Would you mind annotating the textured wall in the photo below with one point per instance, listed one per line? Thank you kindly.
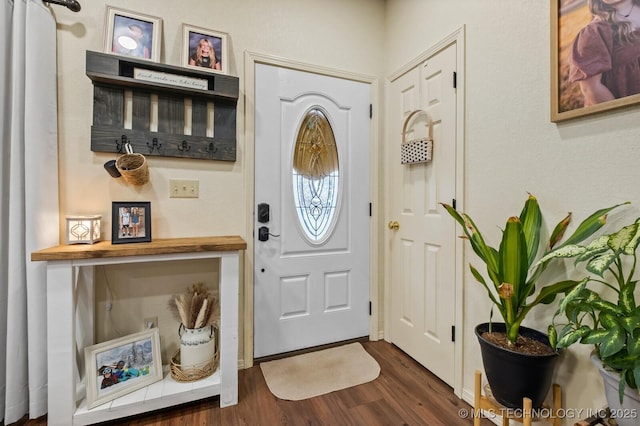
(346, 35)
(512, 148)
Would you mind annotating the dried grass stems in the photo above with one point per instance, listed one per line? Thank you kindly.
(196, 308)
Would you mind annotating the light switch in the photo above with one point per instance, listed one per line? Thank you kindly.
(184, 188)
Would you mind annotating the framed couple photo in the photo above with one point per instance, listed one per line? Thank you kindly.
(204, 49)
(131, 222)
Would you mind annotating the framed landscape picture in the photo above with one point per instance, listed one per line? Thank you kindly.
(121, 366)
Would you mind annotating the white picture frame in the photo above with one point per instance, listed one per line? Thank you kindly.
(132, 34)
(193, 37)
(121, 366)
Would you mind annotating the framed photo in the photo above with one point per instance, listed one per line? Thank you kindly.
(120, 366)
(132, 34)
(130, 222)
(204, 49)
(585, 77)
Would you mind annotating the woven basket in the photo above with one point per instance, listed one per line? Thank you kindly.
(193, 372)
(133, 168)
(416, 150)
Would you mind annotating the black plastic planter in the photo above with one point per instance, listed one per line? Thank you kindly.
(512, 375)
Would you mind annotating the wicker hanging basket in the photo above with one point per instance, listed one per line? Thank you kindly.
(133, 168)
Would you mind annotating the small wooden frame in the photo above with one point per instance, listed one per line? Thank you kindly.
(488, 403)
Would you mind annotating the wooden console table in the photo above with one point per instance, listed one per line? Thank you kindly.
(70, 306)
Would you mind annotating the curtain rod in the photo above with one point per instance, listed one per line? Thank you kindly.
(72, 5)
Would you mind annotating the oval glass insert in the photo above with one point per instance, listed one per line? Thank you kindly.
(315, 176)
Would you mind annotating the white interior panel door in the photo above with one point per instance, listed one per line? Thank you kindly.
(423, 247)
(311, 276)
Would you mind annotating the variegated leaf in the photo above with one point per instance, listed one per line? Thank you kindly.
(631, 323)
(619, 240)
(572, 295)
(531, 219)
(573, 336)
(613, 342)
(590, 225)
(630, 248)
(599, 244)
(598, 265)
(595, 337)
(567, 251)
(633, 345)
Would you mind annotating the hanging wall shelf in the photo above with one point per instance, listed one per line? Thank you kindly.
(161, 110)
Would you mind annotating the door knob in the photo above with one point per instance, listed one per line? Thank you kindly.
(394, 225)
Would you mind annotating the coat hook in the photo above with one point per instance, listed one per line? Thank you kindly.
(123, 141)
(154, 145)
(184, 146)
(211, 148)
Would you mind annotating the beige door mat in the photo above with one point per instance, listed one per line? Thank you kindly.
(316, 373)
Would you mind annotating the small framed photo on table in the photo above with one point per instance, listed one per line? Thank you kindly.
(132, 34)
(130, 222)
(121, 366)
(204, 49)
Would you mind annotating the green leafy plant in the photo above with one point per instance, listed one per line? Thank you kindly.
(612, 326)
(512, 268)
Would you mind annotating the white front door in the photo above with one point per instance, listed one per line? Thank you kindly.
(423, 247)
(311, 276)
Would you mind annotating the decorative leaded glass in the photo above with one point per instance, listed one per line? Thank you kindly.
(315, 176)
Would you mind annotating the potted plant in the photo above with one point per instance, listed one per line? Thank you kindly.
(612, 326)
(513, 370)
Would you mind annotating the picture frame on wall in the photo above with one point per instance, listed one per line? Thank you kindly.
(130, 222)
(134, 34)
(121, 366)
(583, 81)
(204, 49)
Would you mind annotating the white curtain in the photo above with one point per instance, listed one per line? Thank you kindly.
(29, 210)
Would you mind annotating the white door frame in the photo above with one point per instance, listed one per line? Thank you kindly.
(250, 60)
(457, 38)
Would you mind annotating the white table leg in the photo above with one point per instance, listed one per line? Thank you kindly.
(229, 288)
(61, 343)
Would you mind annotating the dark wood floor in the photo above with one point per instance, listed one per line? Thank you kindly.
(404, 394)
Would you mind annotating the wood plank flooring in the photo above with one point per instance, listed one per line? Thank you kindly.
(405, 393)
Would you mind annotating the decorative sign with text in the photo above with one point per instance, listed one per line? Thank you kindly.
(170, 79)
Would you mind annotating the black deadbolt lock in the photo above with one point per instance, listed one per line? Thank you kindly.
(263, 213)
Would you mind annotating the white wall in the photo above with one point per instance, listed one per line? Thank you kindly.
(323, 33)
(512, 147)
(339, 34)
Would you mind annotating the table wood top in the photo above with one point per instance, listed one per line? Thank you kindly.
(105, 249)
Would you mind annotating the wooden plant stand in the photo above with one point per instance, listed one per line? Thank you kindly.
(487, 402)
